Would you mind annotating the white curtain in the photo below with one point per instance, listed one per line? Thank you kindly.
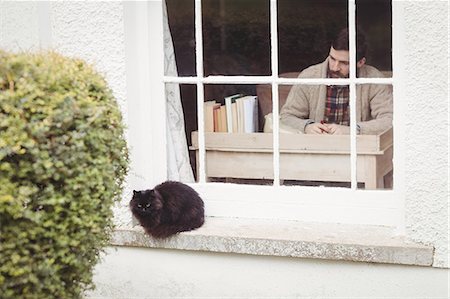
(179, 167)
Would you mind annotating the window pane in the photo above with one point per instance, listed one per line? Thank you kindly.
(319, 155)
(182, 122)
(375, 142)
(306, 28)
(182, 31)
(236, 149)
(374, 21)
(236, 37)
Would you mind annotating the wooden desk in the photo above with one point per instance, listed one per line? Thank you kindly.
(302, 157)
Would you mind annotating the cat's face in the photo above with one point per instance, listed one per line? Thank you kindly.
(144, 202)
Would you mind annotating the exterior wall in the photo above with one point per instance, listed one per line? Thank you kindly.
(92, 31)
(95, 31)
(156, 273)
(19, 23)
(427, 126)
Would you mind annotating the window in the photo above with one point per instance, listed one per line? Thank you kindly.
(275, 198)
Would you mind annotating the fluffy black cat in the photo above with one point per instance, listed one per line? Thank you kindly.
(169, 208)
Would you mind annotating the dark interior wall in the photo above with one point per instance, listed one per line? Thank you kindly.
(305, 30)
(374, 18)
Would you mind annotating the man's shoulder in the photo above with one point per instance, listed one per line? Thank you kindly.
(368, 71)
(313, 71)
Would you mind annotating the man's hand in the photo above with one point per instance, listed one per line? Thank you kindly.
(335, 129)
(316, 128)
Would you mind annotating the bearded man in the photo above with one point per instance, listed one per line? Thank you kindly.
(322, 109)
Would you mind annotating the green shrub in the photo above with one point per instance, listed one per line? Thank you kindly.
(63, 160)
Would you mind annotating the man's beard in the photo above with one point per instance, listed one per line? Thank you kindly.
(336, 75)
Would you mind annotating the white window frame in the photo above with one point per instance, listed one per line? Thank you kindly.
(146, 85)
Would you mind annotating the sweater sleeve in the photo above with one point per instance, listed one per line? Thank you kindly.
(295, 111)
(380, 110)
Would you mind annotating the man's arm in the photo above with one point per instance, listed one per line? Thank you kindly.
(295, 111)
(380, 102)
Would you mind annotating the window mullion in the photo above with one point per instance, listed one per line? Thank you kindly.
(275, 94)
(398, 64)
(352, 90)
(200, 90)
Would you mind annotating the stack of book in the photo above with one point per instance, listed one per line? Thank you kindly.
(238, 115)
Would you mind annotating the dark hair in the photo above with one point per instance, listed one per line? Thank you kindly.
(340, 42)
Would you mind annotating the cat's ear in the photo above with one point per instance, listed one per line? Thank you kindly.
(135, 192)
(157, 199)
(157, 203)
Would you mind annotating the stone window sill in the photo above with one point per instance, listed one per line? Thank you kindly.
(374, 244)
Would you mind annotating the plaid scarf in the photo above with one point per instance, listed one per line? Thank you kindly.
(336, 106)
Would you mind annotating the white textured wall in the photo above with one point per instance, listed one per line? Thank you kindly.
(19, 26)
(156, 273)
(94, 31)
(427, 127)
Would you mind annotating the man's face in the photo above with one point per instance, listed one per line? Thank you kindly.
(338, 63)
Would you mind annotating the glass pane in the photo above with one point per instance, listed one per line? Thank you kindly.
(181, 22)
(236, 37)
(237, 151)
(314, 135)
(305, 31)
(374, 21)
(375, 142)
(182, 122)
(309, 28)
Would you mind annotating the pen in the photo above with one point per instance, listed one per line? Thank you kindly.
(322, 122)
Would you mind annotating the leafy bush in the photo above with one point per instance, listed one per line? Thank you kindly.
(63, 159)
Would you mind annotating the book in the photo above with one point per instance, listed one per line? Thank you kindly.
(228, 104)
(223, 119)
(255, 115)
(240, 115)
(235, 117)
(216, 116)
(250, 114)
(208, 112)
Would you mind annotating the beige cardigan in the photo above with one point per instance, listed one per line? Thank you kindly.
(307, 102)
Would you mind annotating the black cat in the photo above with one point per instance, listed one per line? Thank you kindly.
(169, 208)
